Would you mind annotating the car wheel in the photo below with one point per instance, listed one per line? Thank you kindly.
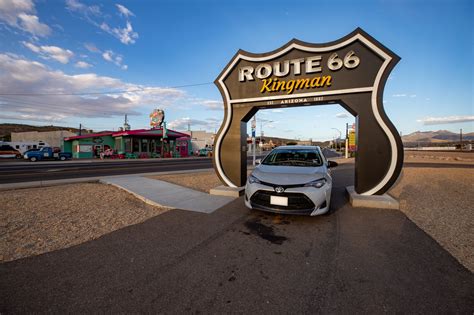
(33, 159)
(62, 158)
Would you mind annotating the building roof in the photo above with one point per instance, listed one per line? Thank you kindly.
(136, 132)
(89, 135)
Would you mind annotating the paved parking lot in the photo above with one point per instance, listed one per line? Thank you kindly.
(235, 260)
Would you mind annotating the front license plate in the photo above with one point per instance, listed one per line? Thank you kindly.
(279, 201)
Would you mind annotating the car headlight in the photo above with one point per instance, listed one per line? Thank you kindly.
(316, 183)
(253, 180)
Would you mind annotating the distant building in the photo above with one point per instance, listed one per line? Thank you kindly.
(200, 139)
(54, 138)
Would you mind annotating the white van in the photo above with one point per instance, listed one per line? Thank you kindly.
(25, 146)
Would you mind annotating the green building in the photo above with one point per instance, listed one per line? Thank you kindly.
(139, 143)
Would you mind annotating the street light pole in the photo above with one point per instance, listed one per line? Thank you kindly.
(340, 135)
(346, 142)
(261, 133)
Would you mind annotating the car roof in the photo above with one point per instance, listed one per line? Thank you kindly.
(314, 147)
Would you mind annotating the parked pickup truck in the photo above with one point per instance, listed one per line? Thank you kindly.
(46, 153)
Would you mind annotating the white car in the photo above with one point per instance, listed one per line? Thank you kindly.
(291, 180)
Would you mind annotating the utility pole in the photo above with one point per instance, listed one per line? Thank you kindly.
(254, 125)
(460, 138)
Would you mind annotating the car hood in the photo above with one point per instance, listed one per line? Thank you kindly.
(288, 175)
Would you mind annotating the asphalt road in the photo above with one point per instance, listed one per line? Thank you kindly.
(59, 170)
(239, 261)
(51, 170)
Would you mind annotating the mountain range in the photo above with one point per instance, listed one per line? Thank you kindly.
(440, 136)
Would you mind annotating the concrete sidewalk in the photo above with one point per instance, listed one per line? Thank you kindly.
(161, 193)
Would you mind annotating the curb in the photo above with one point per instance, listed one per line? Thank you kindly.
(58, 182)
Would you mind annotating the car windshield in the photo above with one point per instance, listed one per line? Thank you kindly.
(294, 157)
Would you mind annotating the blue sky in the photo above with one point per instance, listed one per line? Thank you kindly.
(151, 49)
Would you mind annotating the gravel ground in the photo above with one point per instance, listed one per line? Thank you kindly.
(441, 202)
(38, 220)
(440, 157)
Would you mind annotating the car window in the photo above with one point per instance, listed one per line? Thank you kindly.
(294, 157)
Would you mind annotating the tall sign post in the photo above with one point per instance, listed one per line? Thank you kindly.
(351, 71)
(157, 120)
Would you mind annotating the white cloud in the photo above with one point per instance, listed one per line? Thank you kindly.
(342, 115)
(93, 15)
(413, 95)
(51, 52)
(209, 104)
(114, 58)
(36, 117)
(76, 6)
(31, 47)
(82, 65)
(18, 75)
(182, 123)
(21, 14)
(124, 11)
(277, 110)
(445, 120)
(126, 34)
(92, 48)
(108, 56)
(399, 95)
(31, 24)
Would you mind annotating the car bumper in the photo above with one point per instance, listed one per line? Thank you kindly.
(301, 200)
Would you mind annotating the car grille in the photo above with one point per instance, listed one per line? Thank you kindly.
(297, 202)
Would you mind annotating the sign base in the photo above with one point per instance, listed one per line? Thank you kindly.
(227, 191)
(384, 201)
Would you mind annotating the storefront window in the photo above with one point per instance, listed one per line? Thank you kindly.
(118, 146)
(128, 145)
(144, 145)
(135, 145)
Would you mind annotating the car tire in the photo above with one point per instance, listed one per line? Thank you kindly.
(62, 158)
(33, 159)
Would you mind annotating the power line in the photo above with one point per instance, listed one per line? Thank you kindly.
(100, 93)
(28, 104)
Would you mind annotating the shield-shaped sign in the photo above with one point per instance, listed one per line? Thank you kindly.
(351, 71)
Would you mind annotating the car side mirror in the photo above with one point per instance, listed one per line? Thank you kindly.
(332, 164)
(258, 161)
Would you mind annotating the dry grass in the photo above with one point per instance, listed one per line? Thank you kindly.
(441, 202)
(39, 220)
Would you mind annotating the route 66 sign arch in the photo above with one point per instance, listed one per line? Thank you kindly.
(351, 71)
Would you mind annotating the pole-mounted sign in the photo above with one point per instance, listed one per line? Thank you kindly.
(351, 71)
